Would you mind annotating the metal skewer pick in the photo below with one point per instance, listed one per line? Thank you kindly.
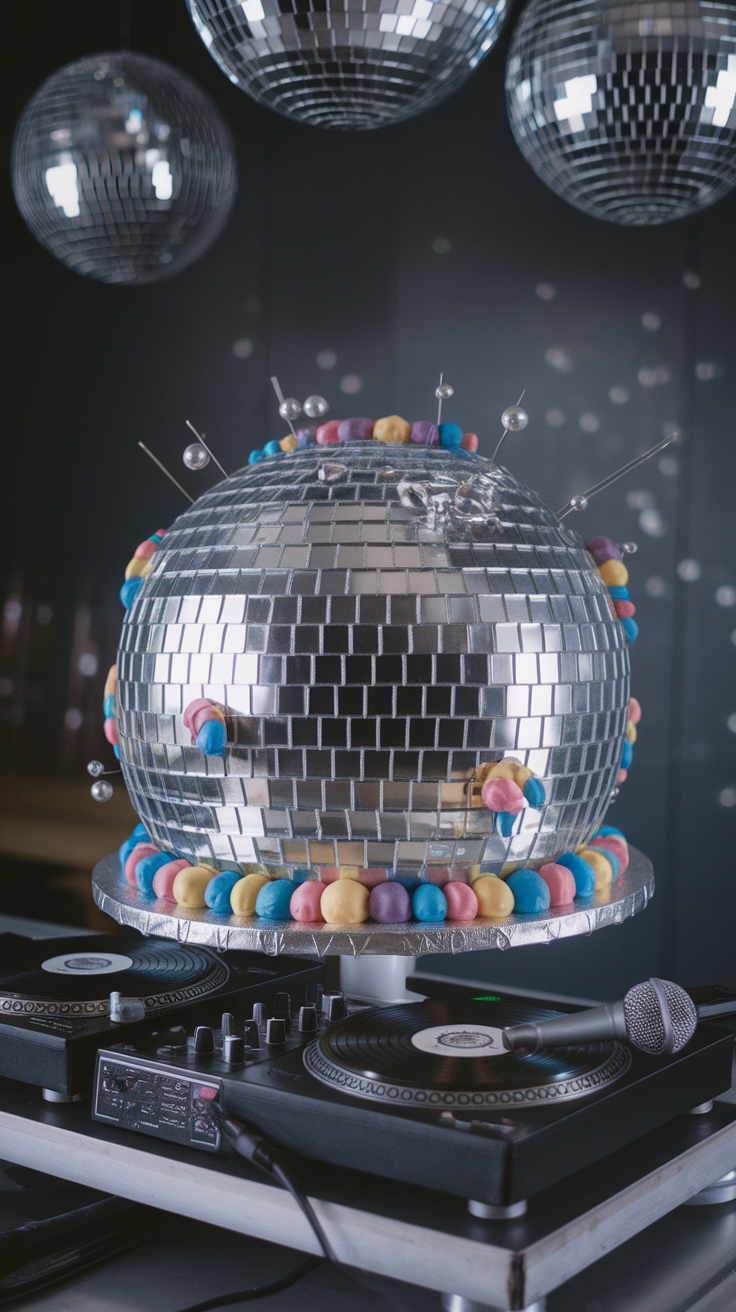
(580, 501)
(502, 438)
(443, 392)
(164, 470)
(200, 439)
(289, 409)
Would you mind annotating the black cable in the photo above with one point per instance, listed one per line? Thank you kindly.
(251, 1145)
(262, 1291)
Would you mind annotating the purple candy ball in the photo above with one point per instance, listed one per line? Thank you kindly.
(603, 549)
(424, 433)
(355, 430)
(389, 903)
(305, 436)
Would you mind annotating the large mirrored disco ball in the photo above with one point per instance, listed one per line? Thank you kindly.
(377, 625)
(360, 64)
(626, 110)
(123, 168)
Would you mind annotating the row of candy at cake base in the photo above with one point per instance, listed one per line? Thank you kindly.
(390, 429)
(110, 709)
(349, 895)
(139, 566)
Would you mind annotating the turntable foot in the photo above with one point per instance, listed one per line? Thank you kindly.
(720, 1191)
(456, 1303)
(702, 1109)
(50, 1095)
(488, 1212)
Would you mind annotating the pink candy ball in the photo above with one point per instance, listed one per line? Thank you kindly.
(634, 710)
(139, 851)
(305, 900)
(622, 776)
(327, 433)
(163, 880)
(610, 843)
(469, 442)
(560, 882)
(462, 904)
(502, 795)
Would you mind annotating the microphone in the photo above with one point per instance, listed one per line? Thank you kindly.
(657, 1017)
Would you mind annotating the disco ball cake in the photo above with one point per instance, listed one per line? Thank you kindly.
(627, 110)
(123, 168)
(378, 623)
(362, 65)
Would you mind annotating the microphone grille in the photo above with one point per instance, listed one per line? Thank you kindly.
(647, 1027)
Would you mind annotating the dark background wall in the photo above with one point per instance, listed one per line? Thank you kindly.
(417, 248)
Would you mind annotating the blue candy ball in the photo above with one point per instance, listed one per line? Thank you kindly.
(534, 792)
(110, 707)
(116, 750)
(273, 900)
(613, 861)
(146, 869)
(627, 756)
(272, 449)
(581, 871)
(504, 823)
(130, 590)
(618, 593)
(451, 435)
(139, 835)
(429, 902)
(605, 831)
(529, 890)
(301, 876)
(211, 738)
(255, 457)
(631, 629)
(217, 892)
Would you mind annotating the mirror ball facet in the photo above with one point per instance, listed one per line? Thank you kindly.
(627, 110)
(360, 64)
(370, 655)
(123, 168)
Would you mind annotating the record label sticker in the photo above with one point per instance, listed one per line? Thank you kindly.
(461, 1041)
(81, 963)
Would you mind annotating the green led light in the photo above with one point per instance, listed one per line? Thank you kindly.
(488, 997)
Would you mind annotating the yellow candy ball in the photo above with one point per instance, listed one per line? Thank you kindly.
(111, 682)
(614, 574)
(508, 869)
(288, 443)
(602, 867)
(189, 885)
(348, 872)
(345, 902)
(391, 429)
(135, 568)
(494, 896)
(243, 894)
(510, 769)
(631, 732)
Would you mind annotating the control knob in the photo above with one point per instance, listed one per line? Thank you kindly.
(204, 1041)
(334, 1006)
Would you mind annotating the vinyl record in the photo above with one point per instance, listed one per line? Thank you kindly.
(451, 1054)
(75, 977)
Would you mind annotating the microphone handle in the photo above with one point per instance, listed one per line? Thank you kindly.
(592, 1026)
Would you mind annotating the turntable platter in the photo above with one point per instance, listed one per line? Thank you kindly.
(450, 1054)
(74, 977)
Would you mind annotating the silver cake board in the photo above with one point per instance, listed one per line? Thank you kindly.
(629, 895)
(410, 1234)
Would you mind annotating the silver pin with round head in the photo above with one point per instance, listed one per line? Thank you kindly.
(195, 456)
(199, 454)
(95, 768)
(580, 502)
(443, 391)
(513, 420)
(101, 790)
(289, 407)
(629, 548)
(315, 407)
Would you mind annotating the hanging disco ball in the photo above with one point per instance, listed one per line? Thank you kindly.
(362, 65)
(626, 110)
(123, 168)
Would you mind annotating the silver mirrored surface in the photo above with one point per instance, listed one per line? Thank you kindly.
(629, 895)
(627, 110)
(361, 64)
(370, 655)
(123, 168)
